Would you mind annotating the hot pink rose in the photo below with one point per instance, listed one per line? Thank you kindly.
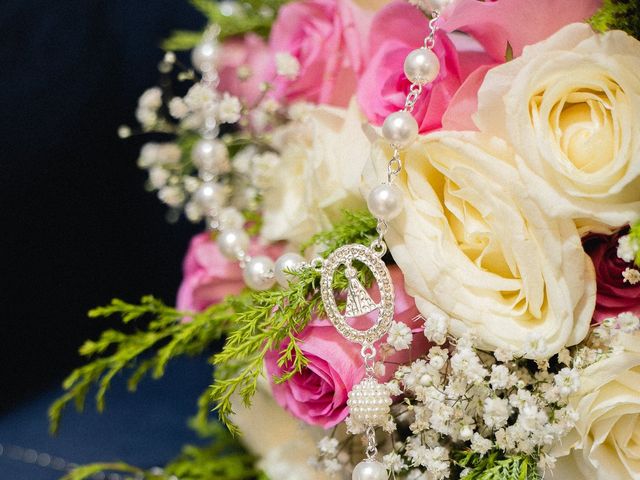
(208, 276)
(496, 24)
(245, 64)
(396, 30)
(614, 295)
(326, 37)
(318, 395)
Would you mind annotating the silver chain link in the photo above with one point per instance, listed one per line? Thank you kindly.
(372, 444)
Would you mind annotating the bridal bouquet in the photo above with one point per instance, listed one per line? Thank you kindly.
(421, 246)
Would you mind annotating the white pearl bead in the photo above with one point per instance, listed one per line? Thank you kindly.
(289, 262)
(209, 196)
(211, 156)
(421, 66)
(205, 55)
(400, 129)
(258, 273)
(385, 201)
(231, 242)
(370, 470)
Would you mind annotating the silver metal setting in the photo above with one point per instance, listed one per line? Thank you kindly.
(344, 256)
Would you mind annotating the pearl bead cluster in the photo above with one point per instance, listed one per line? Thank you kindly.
(369, 403)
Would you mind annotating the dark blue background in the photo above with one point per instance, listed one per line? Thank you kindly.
(77, 226)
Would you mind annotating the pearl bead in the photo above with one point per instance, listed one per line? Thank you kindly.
(208, 196)
(385, 201)
(231, 242)
(400, 129)
(421, 66)
(289, 262)
(211, 156)
(258, 273)
(205, 55)
(370, 470)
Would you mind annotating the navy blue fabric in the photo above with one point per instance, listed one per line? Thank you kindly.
(78, 228)
(146, 428)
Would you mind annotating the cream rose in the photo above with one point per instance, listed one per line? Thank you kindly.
(605, 445)
(322, 157)
(570, 107)
(471, 242)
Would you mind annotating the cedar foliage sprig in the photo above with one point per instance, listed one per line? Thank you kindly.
(224, 458)
(165, 337)
(496, 465)
(254, 323)
(256, 16)
(618, 15)
(274, 319)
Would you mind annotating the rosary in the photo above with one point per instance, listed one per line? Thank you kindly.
(369, 401)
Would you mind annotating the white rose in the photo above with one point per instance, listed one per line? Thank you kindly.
(570, 107)
(319, 175)
(283, 443)
(471, 242)
(605, 444)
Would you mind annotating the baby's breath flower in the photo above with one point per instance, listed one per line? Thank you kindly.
(399, 336)
(436, 327)
(631, 276)
(394, 462)
(172, 196)
(178, 108)
(568, 381)
(496, 412)
(328, 446)
(287, 65)
(229, 109)
(628, 322)
(627, 248)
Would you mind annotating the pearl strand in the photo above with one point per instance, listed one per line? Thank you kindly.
(369, 401)
(260, 272)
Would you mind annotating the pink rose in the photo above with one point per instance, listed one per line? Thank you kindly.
(614, 295)
(318, 395)
(326, 37)
(245, 64)
(396, 30)
(208, 276)
(517, 22)
(494, 24)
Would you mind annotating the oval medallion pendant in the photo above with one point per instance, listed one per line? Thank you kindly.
(358, 300)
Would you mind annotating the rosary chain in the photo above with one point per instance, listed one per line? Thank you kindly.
(30, 456)
(394, 167)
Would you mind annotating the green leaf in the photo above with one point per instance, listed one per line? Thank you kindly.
(508, 54)
(87, 471)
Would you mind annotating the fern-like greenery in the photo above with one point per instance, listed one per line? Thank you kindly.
(145, 351)
(496, 465)
(223, 459)
(255, 16)
(252, 322)
(620, 15)
(274, 319)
